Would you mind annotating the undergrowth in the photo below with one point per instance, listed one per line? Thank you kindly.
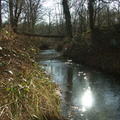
(26, 92)
(99, 50)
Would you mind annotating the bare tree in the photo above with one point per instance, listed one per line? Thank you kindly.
(0, 17)
(79, 17)
(49, 22)
(15, 9)
(67, 18)
(61, 22)
(31, 14)
(91, 13)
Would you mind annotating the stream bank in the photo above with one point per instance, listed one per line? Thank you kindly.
(99, 49)
(26, 91)
(87, 94)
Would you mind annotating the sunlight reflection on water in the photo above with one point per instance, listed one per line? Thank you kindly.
(87, 99)
(87, 94)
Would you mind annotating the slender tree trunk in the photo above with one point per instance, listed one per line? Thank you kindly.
(33, 26)
(91, 14)
(15, 11)
(0, 17)
(118, 14)
(61, 20)
(67, 18)
(0, 22)
(11, 13)
(108, 16)
(49, 27)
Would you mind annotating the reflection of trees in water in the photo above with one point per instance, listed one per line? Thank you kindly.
(69, 86)
(76, 83)
(68, 92)
(75, 87)
(63, 76)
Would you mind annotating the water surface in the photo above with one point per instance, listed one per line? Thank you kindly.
(87, 94)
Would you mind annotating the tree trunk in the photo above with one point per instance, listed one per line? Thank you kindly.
(108, 16)
(0, 22)
(15, 11)
(67, 18)
(11, 13)
(91, 14)
(118, 14)
(0, 17)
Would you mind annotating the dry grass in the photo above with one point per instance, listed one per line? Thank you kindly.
(26, 92)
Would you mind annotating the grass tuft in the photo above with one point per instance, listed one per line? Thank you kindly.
(26, 92)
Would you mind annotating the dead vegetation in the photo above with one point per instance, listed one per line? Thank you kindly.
(26, 92)
(99, 49)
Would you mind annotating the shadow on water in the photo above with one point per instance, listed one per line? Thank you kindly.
(86, 93)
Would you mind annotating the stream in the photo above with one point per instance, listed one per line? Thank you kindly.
(87, 94)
